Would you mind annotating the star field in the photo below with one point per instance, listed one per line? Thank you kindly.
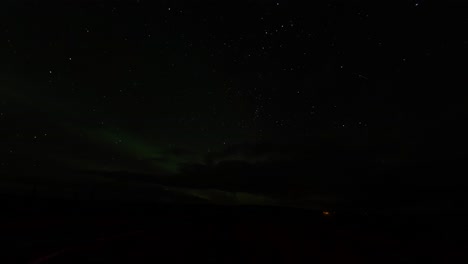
(118, 85)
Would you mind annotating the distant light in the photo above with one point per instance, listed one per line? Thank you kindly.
(326, 213)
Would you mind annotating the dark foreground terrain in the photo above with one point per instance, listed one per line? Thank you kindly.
(79, 232)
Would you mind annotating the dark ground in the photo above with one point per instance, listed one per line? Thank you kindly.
(48, 231)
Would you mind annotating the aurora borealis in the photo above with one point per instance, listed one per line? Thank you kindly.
(166, 87)
(259, 131)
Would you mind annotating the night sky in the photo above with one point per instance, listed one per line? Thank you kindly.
(161, 87)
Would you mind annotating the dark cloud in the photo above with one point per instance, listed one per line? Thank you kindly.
(244, 151)
(323, 151)
(179, 152)
(283, 169)
(159, 159)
